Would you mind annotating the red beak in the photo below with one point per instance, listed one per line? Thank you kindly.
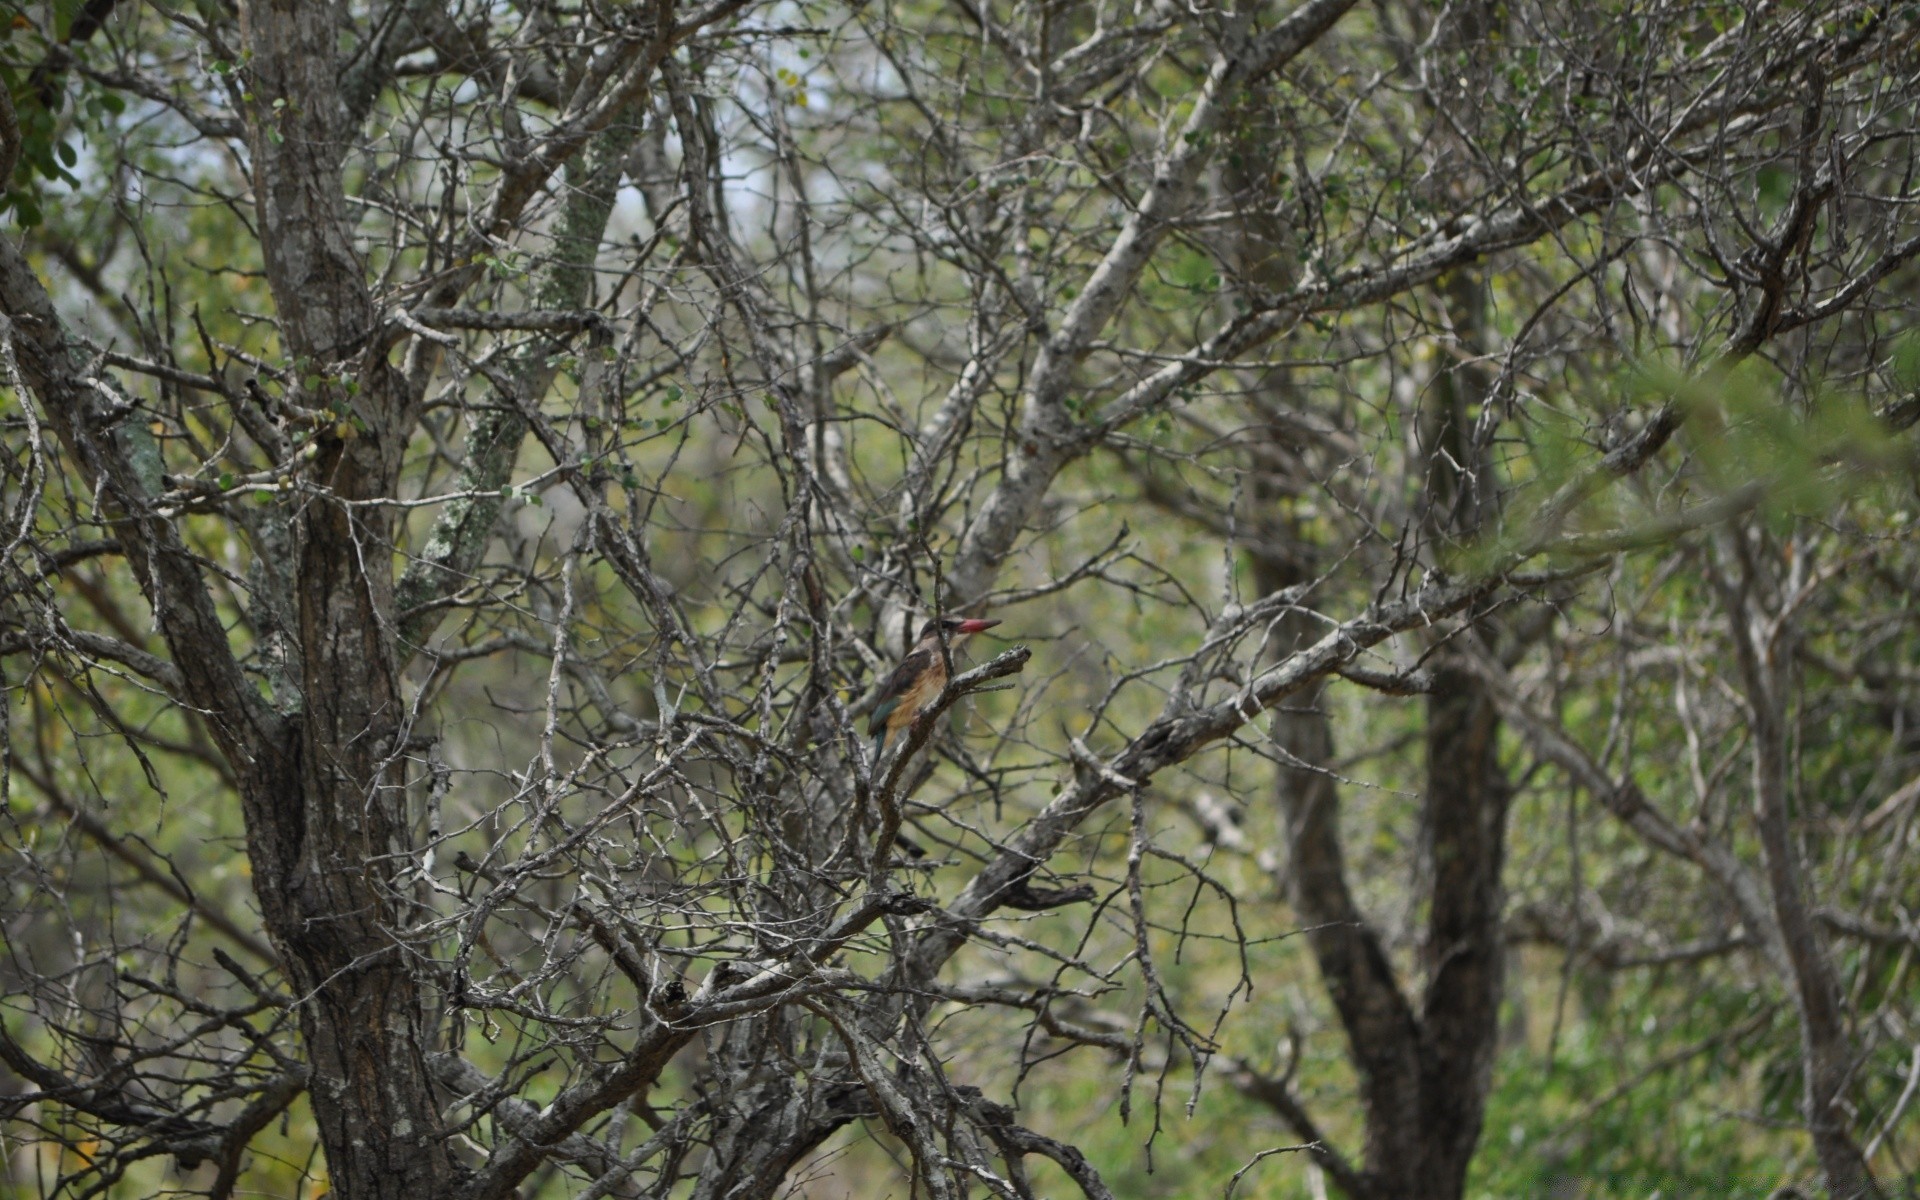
(975, 625)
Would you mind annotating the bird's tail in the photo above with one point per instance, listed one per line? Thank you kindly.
(880, 744)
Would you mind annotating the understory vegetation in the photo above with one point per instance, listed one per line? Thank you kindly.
(1444, 473)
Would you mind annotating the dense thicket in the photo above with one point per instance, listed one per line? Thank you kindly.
(1442, 470)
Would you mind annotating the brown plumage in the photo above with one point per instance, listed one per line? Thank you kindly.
(917, 681)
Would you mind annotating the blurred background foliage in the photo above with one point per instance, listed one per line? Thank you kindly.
(1645, 1045)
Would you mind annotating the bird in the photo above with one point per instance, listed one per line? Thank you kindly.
(917, 681)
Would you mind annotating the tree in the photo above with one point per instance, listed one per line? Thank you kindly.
(472, 462)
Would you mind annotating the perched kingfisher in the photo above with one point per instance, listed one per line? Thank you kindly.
(918, 679)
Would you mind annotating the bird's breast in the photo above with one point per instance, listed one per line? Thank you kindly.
(921, 694)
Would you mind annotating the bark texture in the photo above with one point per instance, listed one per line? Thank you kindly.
(473, 465)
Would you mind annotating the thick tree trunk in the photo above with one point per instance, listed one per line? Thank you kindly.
(1424, 1078)
(1425, 1075)
(1466, 814)
(327, 829)
(1468, 793)
(322, 805)
(327, 838)
(1383, 1034)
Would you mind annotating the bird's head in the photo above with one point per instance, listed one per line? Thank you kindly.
(955, 627)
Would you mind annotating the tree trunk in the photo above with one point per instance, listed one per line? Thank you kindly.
(1763, 647)
(1466, 814)
(327, 829)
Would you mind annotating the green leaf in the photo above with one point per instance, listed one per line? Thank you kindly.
(64, 11)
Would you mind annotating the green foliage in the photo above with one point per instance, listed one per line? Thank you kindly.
(1627, 1105)
(33, 61)
(1614, 1081)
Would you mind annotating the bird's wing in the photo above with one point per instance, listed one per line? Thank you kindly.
(898, 684)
